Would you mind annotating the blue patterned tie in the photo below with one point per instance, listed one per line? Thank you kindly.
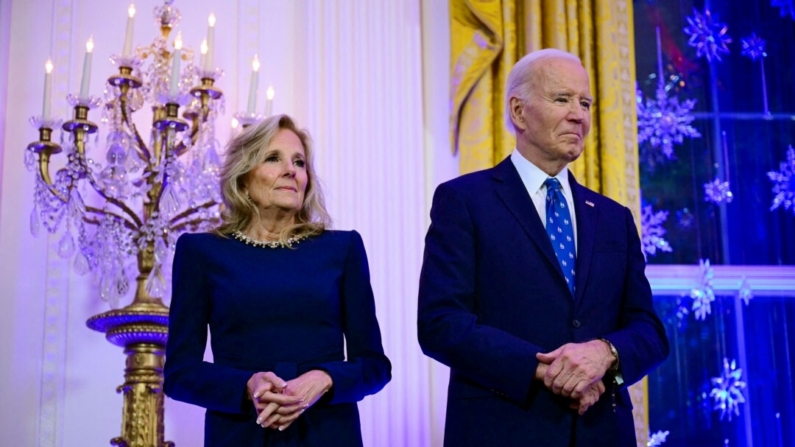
(560, 230)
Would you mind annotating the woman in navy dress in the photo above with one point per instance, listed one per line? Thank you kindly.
(284, 299)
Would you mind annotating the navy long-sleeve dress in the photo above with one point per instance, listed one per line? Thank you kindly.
(286, 310)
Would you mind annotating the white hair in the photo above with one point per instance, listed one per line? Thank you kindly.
(519, 79)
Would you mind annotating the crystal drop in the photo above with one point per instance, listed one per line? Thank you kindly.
(155, 286)
(34, 222)
(169, 201)
(212, 162)
(161, 251)
(106, 286)
(122, 284)
(117, 153)
(66, 246)
(76, 205)
(81, 264)
(30, 160)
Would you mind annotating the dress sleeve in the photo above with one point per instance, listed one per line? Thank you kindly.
(188, 377)
(366, 369)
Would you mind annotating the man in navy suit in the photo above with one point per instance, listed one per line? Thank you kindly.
(533, 288)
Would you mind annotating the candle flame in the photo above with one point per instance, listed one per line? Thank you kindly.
(178, 41)
(204, 46)
(211, 19)
(270, 93)
(255, 63)
(131, 10)
(235, 123)
(90, 44)
(48, 66)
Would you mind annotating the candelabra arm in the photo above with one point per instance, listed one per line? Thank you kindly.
(126, 222)
(190, 211)
(183, 225)
(45, 148)
(141, 150)
(44, 171)
(180, 148)
(79, 126)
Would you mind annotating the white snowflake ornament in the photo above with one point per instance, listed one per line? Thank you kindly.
(708, 37)
(652, 231)
(665, 121)
(727, 390)
(717, 191)
(703, 294)
(657, 439)
(784, 183)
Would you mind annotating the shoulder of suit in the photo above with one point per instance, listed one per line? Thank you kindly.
(470, 179)
(598, 199)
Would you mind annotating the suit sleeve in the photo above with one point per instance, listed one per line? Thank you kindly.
(641, 341)
(366, 370)
(448, 328)
(188, 377)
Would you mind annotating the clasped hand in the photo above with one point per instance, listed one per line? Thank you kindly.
(575, 370)
(279, 403)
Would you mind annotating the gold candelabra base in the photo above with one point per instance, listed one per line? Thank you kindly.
(142, 329)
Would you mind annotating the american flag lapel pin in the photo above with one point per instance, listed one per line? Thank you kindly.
(589, 203)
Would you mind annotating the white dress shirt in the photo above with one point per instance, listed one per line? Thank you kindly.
(533, 178)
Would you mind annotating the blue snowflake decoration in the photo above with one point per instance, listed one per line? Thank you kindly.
(651, 225)
(684, 218)
(787, 7)
(717, 191)
(657, 439)
(708, 37)
(784, 183)
(664, 122)
(754, 47)
(745, 293)
(727, 390)
(703, 294)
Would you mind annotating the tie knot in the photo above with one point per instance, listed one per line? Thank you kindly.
(552, 184)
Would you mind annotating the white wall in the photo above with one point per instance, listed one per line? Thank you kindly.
(367, 78)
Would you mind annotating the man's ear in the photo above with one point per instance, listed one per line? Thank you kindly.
(517, 113)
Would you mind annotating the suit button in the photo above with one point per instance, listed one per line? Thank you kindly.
(575, 323)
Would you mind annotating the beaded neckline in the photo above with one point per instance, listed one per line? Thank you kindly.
(269, 244)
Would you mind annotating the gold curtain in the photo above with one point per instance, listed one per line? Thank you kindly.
(489, 36)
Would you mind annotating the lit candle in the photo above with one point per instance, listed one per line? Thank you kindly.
(175, 66)
(47, 89)
(204, 53)
(252, 88)
(86, 69)
(208, 60)
(128, 35)
(235, 123)
(269, 103)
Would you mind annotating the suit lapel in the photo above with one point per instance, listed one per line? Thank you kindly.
(587, 215)
(514, 195)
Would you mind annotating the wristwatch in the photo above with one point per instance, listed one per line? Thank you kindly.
(614, 368)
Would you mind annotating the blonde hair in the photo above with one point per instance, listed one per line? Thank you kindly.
(520, 79)
(244, 153)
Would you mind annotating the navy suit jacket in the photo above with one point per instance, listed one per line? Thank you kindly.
(492, 295)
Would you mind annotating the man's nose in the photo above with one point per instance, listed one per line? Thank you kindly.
(577, 113)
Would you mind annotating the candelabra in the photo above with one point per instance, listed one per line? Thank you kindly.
(147, 193)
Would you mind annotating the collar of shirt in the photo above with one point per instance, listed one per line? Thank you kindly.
(533, 179)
